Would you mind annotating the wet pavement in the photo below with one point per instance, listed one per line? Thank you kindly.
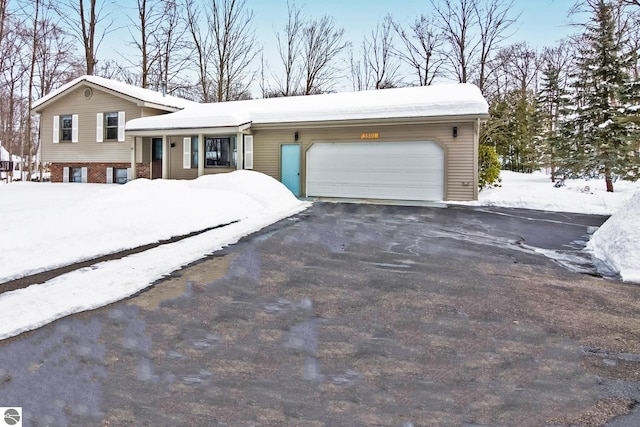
(352, 315)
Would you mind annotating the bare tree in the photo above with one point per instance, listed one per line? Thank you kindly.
(378, 67)
(457, 19)
(493, 22)
(55, 62)
(360, 75)
(89, 23)
(170, 44)
(147, 20)
(379, 55)
(3, 16)
(159, 36)
(233, 48)
(422, 49)
(473, 30)
(561, 59)
(633, 46)
(514, 68)
(203, 48)
(322, 44)
(14, 67)
(35, 42)
(289, 49)
(115, 70)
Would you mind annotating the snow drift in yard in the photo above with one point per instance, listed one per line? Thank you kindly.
(52, 225)
(617, 241)
(97, 220)
(536, 191)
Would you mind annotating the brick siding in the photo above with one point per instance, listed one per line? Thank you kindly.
(97, 172)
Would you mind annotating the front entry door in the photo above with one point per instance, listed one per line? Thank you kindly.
(156, 158)
(290, 167)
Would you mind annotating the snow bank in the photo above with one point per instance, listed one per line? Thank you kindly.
(46, 226)
(617, 241)
(58, 224)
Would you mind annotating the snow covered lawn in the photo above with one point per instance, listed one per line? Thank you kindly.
(536, 191)
(44, 226)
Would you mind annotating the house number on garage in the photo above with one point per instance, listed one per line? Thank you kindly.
(369, 135)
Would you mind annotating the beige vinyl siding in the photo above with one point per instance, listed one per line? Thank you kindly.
(87, 149)
(460, 163)
(176, 170)
(459, 152)
(147, 112)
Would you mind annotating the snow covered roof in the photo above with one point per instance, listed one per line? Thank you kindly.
(413, 102)
(146, 96)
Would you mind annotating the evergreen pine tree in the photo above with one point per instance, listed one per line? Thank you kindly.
(605, 137)
(552, 109)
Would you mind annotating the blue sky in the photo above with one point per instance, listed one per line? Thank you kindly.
(541, 23)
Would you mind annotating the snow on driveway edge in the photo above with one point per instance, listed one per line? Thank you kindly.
(617, 241)
(107, 282)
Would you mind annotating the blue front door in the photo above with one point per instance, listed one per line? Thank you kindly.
(290, 167)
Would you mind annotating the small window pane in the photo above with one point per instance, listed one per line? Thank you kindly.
(220, 152)
(111, 125)
(66, 127)
(112, 119)
(75, 174)
(194, 152)
(120, 176)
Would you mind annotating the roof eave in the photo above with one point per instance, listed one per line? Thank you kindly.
(168, 108)
(375, 121)
(221, 130)
(247, 127)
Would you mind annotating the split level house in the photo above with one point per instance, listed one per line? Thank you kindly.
(414, 144)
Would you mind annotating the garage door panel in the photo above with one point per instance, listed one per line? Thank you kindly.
(400, 170)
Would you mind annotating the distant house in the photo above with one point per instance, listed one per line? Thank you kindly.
(9, 165)
(417, 144)
(82, 130)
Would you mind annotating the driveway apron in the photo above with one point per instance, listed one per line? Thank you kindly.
(351, 315)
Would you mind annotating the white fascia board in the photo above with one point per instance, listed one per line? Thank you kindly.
(185, 131)
(378, 122)
(160, 107)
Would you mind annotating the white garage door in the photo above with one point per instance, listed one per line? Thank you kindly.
(376, 170)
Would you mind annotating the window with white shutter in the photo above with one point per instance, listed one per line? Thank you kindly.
(248, 151)
(99, 127)
(74, 128)
(109, 175)
(120, 126)
(84, 174)
(186, 153)
(65, 174)
(56, 133)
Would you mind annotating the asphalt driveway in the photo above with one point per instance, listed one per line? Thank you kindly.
(352, 315)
